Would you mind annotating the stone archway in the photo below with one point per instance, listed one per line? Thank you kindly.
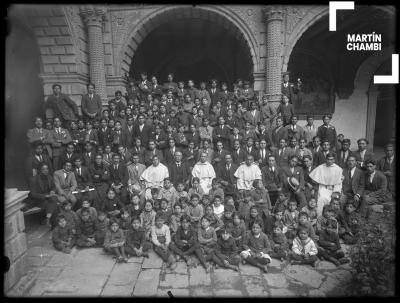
(217, 15)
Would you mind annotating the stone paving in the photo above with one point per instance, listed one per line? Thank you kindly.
(91, 272)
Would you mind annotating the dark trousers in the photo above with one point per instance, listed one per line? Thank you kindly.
(129, 248)
(188, 250)
(327, 254)
(219, 258)
(62, 246)
(303, 259)
(163, 253)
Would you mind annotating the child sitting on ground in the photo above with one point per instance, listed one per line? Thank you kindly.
(62, 236)
(254, 216)
(215, 222)
(180, 192)
(227, 218)
(125, 221)
(329, 246)
(161, 238)
(184, 242)
(304, 250)
(86, 230)
(147, 218)
(305, 223)
(70, 216)
(311, 210)
(102, 224)
(261, 198)
(350, 222)
(291, 220)
(282, 201)
(134, 208)
(195, 210)
(324, 220)
(175, 219)
(276, 218)
(218, 207)
(279, 243)
(165, 211)
(238, 230)
(244, 206)
(226, 252)
(207, 239)
(114, 241)
(86, 205)
(184, 202)
(215, 190)
(136, 244)
(112, 204)
(256, 247)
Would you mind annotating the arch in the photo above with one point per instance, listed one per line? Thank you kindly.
(311, 17)
(225, 17)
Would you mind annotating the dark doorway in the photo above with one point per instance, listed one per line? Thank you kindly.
(24, 99)
(385, 122)
(193, 49)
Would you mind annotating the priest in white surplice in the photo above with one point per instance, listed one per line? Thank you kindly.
(154, 176)
(205, 172)
(329, 178)
(247, 173)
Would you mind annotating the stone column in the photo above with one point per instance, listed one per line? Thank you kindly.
(15, 245)
(273, 16)
(93, 17)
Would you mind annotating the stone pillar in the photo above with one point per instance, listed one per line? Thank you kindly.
(273, 16)
(93, 17)
(15, 245)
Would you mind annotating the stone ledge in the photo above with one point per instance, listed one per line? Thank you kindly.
(24, 285)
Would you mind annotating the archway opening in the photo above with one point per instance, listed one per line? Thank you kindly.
(323, 63)
(24, 99)
(193, 48)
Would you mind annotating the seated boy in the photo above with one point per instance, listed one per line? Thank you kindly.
(114, 242)
(136, 244)
(304, 250)
(279, 243)
(207, 239)
(86, 230)
(305, 223)
(62, 236)
(350, 222)
(291, 219)
(102, 225)
(226, 252)
(161, 238)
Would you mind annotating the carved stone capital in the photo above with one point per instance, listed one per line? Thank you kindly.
(93, 15)
(272, 13)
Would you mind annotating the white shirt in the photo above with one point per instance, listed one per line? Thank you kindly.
(352, 172)
(219, 211)
(246, 175)
(371, 177)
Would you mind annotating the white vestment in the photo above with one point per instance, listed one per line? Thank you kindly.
(246, 175)
(205, 172)
(154, 176)
(329, 179)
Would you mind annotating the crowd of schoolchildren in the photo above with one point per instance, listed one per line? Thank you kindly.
(180, 221)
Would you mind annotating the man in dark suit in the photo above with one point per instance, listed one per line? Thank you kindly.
(88, 155)
(62, 106)
(261, 156)
(221, 132)
(362, 154)
(387, 165)
(249, 147)
(219, 155)
(253, 115)
(282, 154)
(189, 155)
(129, 132)
(142, 130)
(310, 187)
(224, 94)
(43, 191)
(179, 172)
(344, 153)
(294, 171)
(159, 137)
(279, 132)
(320, 156)
(353, 182)
(139, 150)
(70, 154)
(287, 88)
(272, 177)
(238, 154)
(214, 92)
(193, 135)
(376, 191)
(119, 102)
(119, 178)
(169, 152)
(84, 180)
(91, 104)
(36, 160)
(104, 133)
(152, 151)
(226, 173)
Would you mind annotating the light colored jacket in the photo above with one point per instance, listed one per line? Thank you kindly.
(302, 249)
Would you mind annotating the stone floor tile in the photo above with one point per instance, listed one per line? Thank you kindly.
(228, 293)
(181, 268)
(316, 293)
(48, 273)
(201, 292)
(111, 290)
(124, 274)
(177, 293)
(281, 292)
(154, 261)
(305, 274)
(175, 281)
(33, 261)
(249, 270)
(147, 283)
(276, 280)
(226, 279)
(325, 265)
(61, 260)
(198, 276)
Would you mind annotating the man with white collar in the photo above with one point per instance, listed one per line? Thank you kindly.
(353, 182)
(247, 173)
(59, 138)
(205, 172)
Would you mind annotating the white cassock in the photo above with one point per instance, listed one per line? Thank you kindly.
(154, 176)
(246, 175)
(205, 172)
(329, 179)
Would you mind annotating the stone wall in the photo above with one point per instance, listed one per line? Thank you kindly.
(15, 245)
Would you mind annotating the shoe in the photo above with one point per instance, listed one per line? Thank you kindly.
(265, 268)
(125, 260)
(187, 259)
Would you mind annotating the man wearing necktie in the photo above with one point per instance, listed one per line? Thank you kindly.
(65, 183)
(83, 180)
(91, 104)
(135, 170)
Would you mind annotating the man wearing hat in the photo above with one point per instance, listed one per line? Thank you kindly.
(294, 178)
(246, 95)
(62, 106)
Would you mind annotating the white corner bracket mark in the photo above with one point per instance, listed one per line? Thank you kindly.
(394, 77)
(333, 7)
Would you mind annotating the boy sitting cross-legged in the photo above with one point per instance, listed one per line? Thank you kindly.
(304, 250)
(226, 252)
(114, 241)
(62, 236)
(136, 244)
